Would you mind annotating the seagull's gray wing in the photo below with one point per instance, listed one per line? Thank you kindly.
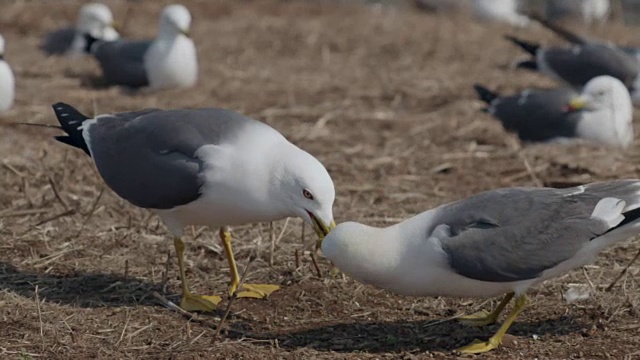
(58, 42)
(578, 64)
(537, 115)
(149, 157)
(122, 61)
(516, 234)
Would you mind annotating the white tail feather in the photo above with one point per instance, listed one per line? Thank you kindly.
(609, 210)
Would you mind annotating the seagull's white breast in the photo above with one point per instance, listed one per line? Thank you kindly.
(172, 63)
(7, 86)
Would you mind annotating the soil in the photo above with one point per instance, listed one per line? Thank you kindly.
(383, 96)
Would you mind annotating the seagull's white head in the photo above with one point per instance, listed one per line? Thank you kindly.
(368, 254)
(607, 98)
(175, 20)
(96, 19)
(307, 190)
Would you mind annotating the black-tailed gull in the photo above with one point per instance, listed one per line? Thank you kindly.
(210, 167)
(602, 113)
(497, 242)
(94, 19)
(7, 81)
(578, 39)
(168, 61)
(576, 64)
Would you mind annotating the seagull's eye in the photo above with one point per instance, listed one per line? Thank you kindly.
(306, 193)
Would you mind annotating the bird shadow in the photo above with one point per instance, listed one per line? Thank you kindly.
(82, 289)
(399, 336)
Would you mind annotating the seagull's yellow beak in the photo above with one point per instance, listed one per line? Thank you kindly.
(321, 228)
(577, 103)
(115, 26)
(185, 33)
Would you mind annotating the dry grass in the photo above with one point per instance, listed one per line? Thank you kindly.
(381, 96)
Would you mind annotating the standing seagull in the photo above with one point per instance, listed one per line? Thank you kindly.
(94, 19)
(210, 167)
(576, 64)
(168, 61)
(497, 242)
(7, 81)
(602, 113)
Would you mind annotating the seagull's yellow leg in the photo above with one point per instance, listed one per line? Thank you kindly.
(478, 346)
(189, 301)
(483, 317)
(256, 291)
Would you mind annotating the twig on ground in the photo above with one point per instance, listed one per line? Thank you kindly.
(234, 296)
(532, 173)
(624, 271)
(124, 330)
(57, 193)
(40, 318)
(56, 217)
(272, 237)
(165, 274)
(315, 264)
(91, 211)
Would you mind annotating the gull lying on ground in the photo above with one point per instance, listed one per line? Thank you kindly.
(168, 61)
(578, 63)
(602, 113)
(94, 19)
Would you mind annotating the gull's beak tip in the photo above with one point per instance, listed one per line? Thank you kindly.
(577, 103)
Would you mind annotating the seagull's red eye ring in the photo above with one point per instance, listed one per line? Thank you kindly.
(306, 193)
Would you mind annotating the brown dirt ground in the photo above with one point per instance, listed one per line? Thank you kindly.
(381, 96)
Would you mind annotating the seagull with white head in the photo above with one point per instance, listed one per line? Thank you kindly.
(168, 61)
(502, 241)
(602, 113)
(94, 19)
(211, 167)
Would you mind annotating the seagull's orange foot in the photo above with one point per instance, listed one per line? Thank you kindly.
(478, 346)
(480, 318)
(192, 302)
(257, 291)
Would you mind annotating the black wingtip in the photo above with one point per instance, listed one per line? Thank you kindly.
(485, 94)
(528, 65)
(531, 48)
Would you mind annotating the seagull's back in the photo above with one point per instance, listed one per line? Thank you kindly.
(537, 115)
(155, 151)
(58, 42)
(122, 61)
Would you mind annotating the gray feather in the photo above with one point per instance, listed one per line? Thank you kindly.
(148, 157)
(485, 241)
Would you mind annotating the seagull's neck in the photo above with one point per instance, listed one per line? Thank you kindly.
(402, 258)
(171, 61)
(380, 256)
(169, 34)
